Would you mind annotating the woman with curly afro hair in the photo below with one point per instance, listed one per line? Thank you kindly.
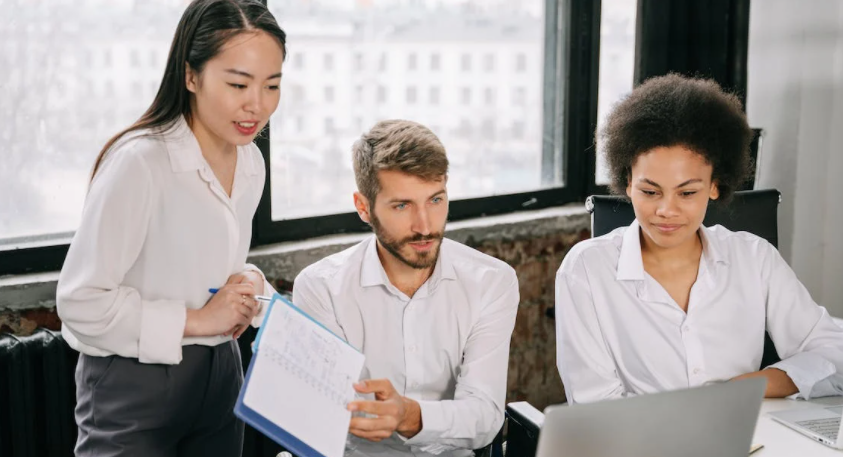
(668, 303)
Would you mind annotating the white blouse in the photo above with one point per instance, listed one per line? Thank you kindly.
(157, 232)
(619, 333)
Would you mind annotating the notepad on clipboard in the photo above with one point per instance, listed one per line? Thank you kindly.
(299, 383)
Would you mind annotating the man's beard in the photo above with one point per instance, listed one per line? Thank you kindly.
(425, 259)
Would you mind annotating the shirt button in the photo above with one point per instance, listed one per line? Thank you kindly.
(686, 328)
(413, 348)
(415, 385)
(697, 371)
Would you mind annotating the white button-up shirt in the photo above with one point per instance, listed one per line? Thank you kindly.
(447, 347)
(619, 333)
(157, 232)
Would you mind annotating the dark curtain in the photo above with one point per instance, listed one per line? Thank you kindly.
(706, 38)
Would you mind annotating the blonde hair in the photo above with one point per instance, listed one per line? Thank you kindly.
(398, 145)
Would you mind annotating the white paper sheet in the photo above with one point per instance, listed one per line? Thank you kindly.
(302, 379)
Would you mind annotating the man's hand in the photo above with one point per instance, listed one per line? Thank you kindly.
(393, 412)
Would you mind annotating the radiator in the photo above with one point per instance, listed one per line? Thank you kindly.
(38, 396)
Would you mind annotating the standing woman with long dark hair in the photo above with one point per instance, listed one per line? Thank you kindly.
(169, 215)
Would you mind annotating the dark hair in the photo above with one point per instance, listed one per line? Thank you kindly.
(400, 145)
(675, 110)
(204, 28)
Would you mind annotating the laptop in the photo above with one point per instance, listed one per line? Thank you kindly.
(715, 420)
(821, 424)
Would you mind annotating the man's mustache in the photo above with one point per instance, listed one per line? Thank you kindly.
(419, 238)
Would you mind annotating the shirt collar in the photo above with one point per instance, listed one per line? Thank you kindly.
(631, 265)
(711, 247)
(186, 155)
(373, 274)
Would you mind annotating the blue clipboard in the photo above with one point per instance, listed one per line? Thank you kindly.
(253, 418)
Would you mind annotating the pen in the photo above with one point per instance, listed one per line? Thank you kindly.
(265, 298)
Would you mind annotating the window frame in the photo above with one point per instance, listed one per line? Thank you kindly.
(569, 87)
(572, 33)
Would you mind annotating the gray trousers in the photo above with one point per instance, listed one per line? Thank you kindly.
(127, 408)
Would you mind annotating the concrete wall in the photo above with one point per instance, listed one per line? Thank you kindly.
(795, 93)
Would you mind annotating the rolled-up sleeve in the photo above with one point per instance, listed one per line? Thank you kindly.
(93, 304)
(808, 341)
(311, 296)
(268, 290)
(473, 418)
(587, 368)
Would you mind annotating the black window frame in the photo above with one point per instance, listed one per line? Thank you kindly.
(572, 33)
(569, 88)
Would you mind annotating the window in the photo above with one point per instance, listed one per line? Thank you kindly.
(489, 62)
(521, 62)
(95, 82)
(517, 130)
(617, 62)
(465, 63)
(504, 156)
(465, 95)
(482, 119)
(297, 94)
(434, 62)
(487, 129)
(465, 128)
(519, 96)
(433, 98)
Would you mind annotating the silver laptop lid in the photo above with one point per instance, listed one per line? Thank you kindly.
(699, 422)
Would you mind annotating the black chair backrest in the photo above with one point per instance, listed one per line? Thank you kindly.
(753, 211)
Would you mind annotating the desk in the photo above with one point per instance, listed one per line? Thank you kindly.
(781, 441)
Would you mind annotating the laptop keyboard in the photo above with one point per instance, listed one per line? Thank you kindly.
(823, 427)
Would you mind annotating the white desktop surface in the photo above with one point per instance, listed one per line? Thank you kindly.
(782, 441)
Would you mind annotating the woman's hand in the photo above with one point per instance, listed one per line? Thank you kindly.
(231, 308)
(252, 277)
(256, 280)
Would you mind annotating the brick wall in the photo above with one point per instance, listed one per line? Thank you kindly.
(533, 376)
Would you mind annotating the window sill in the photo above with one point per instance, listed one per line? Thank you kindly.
(283, 261)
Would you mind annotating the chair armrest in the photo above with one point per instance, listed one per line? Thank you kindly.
(523, 426)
